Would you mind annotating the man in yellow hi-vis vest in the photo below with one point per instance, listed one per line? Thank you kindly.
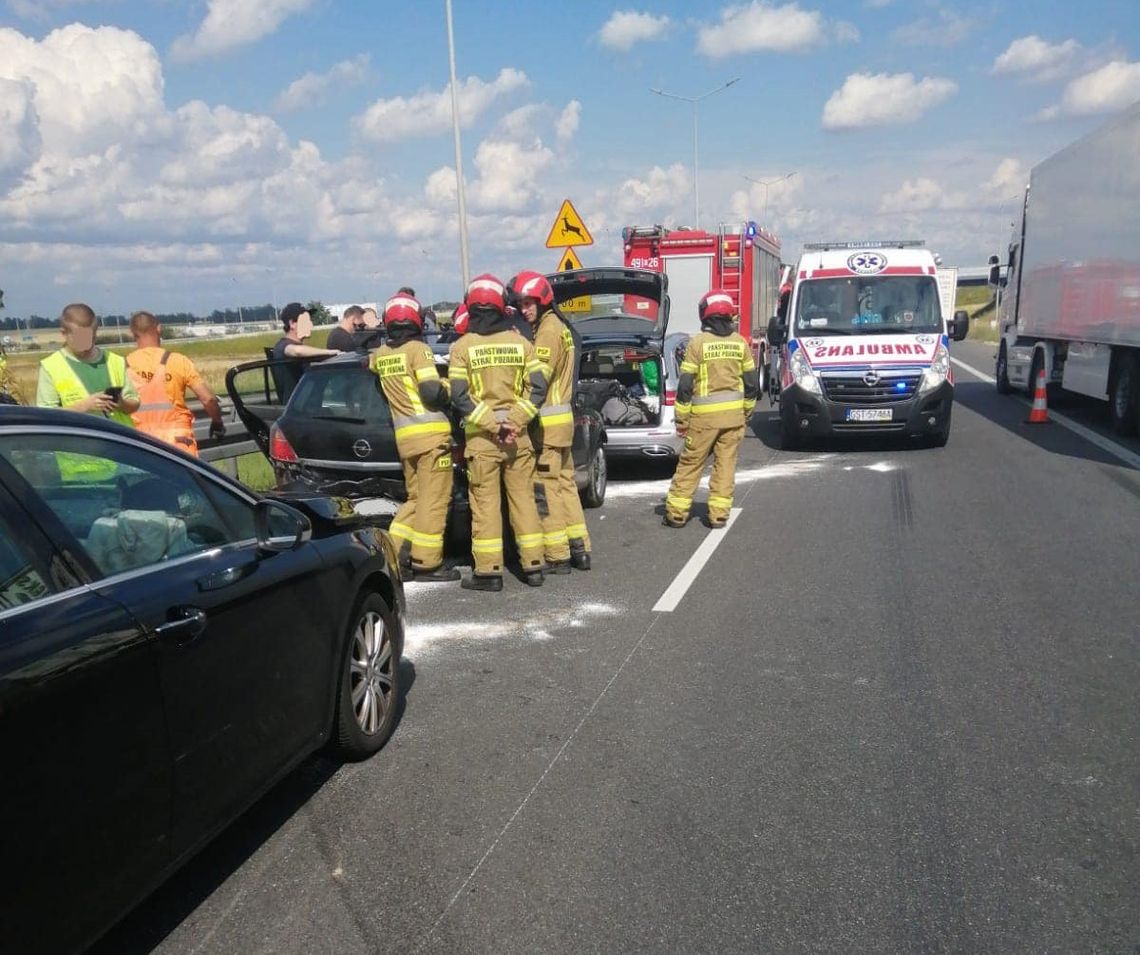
(716, 392)
(416, 397)
(81, 376)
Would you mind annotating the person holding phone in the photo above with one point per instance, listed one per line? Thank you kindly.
(81, 376)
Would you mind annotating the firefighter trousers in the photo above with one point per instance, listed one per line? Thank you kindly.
(559, 507)
(511, 467)
(724, 443)
(419, 523)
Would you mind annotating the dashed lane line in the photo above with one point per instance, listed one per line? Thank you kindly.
(684, 580)
(1131, 458)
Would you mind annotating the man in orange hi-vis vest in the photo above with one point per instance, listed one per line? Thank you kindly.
(162, 377)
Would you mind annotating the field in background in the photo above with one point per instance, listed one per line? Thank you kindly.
(978, 300)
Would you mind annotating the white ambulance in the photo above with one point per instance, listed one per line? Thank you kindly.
(865, 344)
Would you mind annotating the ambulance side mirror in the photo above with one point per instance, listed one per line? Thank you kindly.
(776, 332)
(959, 326)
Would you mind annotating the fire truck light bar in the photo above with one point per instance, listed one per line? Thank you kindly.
(892, 244)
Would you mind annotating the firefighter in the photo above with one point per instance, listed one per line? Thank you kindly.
(417, 398)
(497, 383)
(716, 392)
(563, 524)
(162, 378)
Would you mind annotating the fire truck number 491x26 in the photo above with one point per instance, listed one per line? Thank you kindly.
(650, 262)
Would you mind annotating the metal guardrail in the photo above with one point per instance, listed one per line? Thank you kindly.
(221, 453)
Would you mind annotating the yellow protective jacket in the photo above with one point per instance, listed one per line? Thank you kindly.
(495, 378)
(554, 347)
(719, 384)
(70, 389)
(416, 395)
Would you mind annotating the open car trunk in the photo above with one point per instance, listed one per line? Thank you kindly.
(616, 379)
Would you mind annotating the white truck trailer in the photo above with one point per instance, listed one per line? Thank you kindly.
(1070, 303)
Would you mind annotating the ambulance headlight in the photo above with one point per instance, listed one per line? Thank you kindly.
(938, 370)
(802, 373)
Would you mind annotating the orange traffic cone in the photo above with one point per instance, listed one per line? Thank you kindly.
(1040, 412)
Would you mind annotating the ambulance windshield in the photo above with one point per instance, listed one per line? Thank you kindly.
(869, 305)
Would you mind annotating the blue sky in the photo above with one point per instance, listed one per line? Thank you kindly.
(191, 155)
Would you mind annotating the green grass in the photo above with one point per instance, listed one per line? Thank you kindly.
(255, 472)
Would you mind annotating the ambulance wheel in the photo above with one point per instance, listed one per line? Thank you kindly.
(1001, 372)
(369, 687)
(594, 493)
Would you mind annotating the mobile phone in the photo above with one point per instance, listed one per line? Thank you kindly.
(115, 392)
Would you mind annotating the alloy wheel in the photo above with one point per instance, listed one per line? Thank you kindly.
(371, 672)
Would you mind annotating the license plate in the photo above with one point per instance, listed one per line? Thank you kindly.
(870, 414)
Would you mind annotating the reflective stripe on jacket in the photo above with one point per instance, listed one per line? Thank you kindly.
(407, 372)
(554, 347)
(158, 416)
(719, 384)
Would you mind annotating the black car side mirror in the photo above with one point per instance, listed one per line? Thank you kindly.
(994, 278)
(776, 332)
(959, 326)
(279, 527)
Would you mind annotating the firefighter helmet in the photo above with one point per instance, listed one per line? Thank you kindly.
(459, 320)
(533, 285)
(486, 290)
(716, 303)
(403, 308)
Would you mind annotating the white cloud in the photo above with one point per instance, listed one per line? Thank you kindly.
(20, 143)
(508, 174)
(230, 24)
(761, 27)
(624, 28)
(522, 122)
(567, 123)
(921, 195)
(947, 29)
(1033, 57)
(660, 192)
(884, 99)
(1009, 179)
(42, 9)
(1111, 87)
(312, 89)
(428, 112)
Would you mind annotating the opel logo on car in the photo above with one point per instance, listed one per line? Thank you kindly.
(871, 379)
(361, 448)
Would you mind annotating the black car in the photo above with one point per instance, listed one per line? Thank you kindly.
(171, 645)
(330, 429)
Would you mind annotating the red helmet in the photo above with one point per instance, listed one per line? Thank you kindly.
(486, 290)
(403, 308)
(533, 285)
(460, 319)
(716, 303)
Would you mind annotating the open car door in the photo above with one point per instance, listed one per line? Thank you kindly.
(260, 390)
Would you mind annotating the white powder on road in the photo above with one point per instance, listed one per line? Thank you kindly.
(782, 469)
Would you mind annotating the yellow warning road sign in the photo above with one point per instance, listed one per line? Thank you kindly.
(569, 261)
(568, 229)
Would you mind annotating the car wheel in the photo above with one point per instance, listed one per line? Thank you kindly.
(1124, 399)
(1001, 373)
(369, 689)
(594, 493)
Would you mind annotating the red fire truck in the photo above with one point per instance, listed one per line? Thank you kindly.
(743, 261)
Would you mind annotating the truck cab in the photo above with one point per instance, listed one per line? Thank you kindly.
(865, 345)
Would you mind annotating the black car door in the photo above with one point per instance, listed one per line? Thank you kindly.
(244, 640)
(260, 390)
(85, 798)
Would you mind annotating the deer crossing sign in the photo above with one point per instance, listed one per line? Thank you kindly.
(568, 229)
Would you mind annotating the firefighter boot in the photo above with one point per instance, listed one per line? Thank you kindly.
(438, 574)
(534, 578)
(579, 556)
(559, 567)
(492, 583)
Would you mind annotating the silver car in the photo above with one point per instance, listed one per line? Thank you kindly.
(629, 365)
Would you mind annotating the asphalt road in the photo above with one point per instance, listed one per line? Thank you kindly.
(896, 711)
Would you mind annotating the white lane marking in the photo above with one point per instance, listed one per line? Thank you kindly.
(684, 580)
(1119, 452)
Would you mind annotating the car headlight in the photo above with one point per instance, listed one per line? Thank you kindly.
(802, 373)
(938, 370)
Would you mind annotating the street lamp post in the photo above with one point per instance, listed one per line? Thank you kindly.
(460, 192)
(696, 167)
(766, 183)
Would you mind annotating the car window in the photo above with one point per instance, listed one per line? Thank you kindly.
(345, 393)
(21, 580)
(127, 506)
